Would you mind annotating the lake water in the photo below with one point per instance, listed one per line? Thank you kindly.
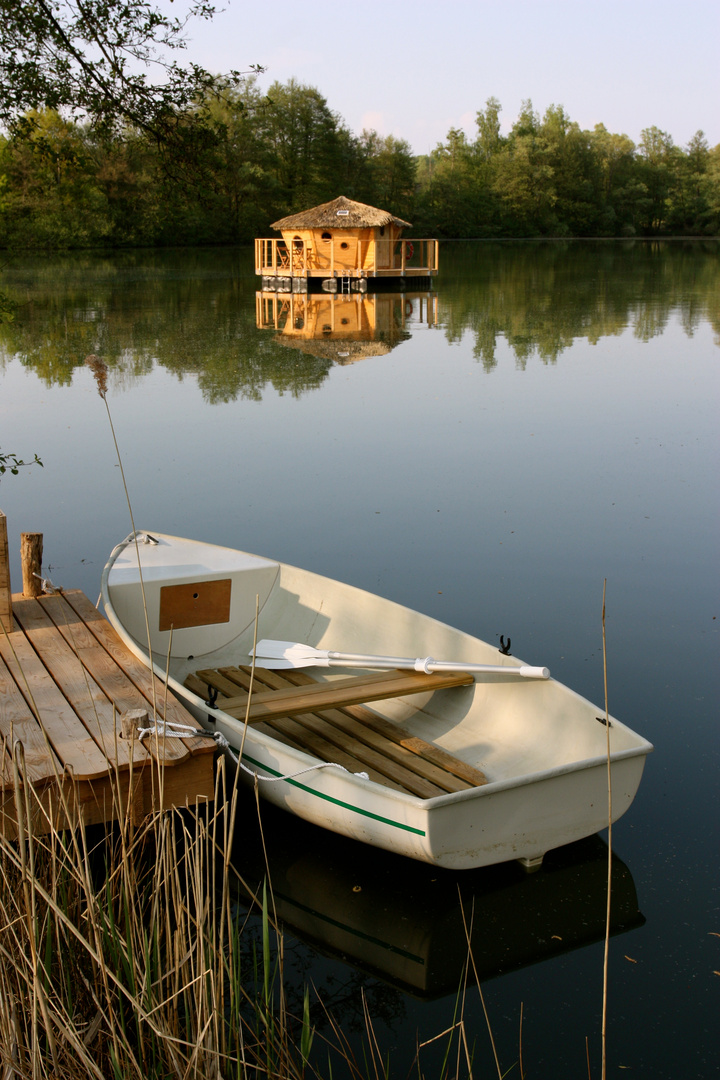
(489, 454)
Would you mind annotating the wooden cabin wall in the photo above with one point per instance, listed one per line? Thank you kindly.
(341, 251)
(383, 250)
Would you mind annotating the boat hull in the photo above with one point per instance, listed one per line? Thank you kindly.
(543, 748)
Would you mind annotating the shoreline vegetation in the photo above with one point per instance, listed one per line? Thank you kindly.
(123, 951)
(139, 951)
(67, 184)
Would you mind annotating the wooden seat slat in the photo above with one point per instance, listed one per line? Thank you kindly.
(356, 690)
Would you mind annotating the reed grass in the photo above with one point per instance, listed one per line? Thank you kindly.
(122, 956)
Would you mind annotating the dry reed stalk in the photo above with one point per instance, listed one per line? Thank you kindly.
(100, 372)
(468, 938)
(606, 957)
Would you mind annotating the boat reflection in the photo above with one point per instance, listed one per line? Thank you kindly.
(344, 328)
(408, 924)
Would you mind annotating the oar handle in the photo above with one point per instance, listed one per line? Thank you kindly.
(428, 664)
(282, 654)
(525, 670)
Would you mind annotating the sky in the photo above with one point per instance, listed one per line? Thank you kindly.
(416, 68)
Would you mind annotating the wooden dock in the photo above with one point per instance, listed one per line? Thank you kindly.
(66, 679)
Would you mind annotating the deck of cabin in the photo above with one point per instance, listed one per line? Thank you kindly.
(346, 256)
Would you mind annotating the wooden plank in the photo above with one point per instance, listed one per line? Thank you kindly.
(315, 734)
(77, 684)
(106, 673)
(107, 799)
(18, 723)
(5, 592)
(356, 690)
(325, 741)
(428, 751)
(136, 671)
(75, 748)
(443, 769)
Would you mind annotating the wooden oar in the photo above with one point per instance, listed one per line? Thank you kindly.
(292, 654)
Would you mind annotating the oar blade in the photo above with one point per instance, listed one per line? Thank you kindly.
(287, 654)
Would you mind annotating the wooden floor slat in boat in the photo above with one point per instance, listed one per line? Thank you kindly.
(367, 741)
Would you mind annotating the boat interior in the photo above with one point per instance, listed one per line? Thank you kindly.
(330, 721)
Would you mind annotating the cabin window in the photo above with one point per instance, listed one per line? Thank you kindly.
(297, 243)
(327, 236)
(382, 230)
(344, 245)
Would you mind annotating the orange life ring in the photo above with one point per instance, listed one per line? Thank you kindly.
(409, 249)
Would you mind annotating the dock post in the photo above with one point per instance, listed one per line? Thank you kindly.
(31, 551)
(5, 592)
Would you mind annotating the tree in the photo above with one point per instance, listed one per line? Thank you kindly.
(387, 173)
(689, 206)
(109, 61)
(659, 160)
(452, 202)
(489, 139)
(51, 198)
(524, 178)
(306, 142)
(622, 195)
(576, 177)
(711, 192)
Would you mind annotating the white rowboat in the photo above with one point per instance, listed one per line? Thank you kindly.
(455, 761)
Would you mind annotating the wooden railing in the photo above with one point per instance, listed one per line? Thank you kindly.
(361, 258)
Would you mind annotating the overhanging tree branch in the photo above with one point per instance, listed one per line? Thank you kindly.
(94, 59)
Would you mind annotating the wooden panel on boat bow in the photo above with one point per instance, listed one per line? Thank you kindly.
(197, 603)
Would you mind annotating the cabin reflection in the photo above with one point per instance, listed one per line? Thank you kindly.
(402, 921)
(344, 328)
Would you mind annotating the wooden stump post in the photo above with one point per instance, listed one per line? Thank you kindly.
(31, 551)
(5, 592)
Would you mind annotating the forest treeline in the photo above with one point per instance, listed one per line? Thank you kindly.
(265, 154)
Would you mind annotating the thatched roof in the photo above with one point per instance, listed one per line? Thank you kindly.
(341, 213)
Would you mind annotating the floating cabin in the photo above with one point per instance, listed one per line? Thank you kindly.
(343, 246)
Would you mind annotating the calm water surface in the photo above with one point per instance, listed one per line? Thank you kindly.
(547, 420)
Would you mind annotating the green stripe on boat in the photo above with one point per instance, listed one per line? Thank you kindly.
(330, 798)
